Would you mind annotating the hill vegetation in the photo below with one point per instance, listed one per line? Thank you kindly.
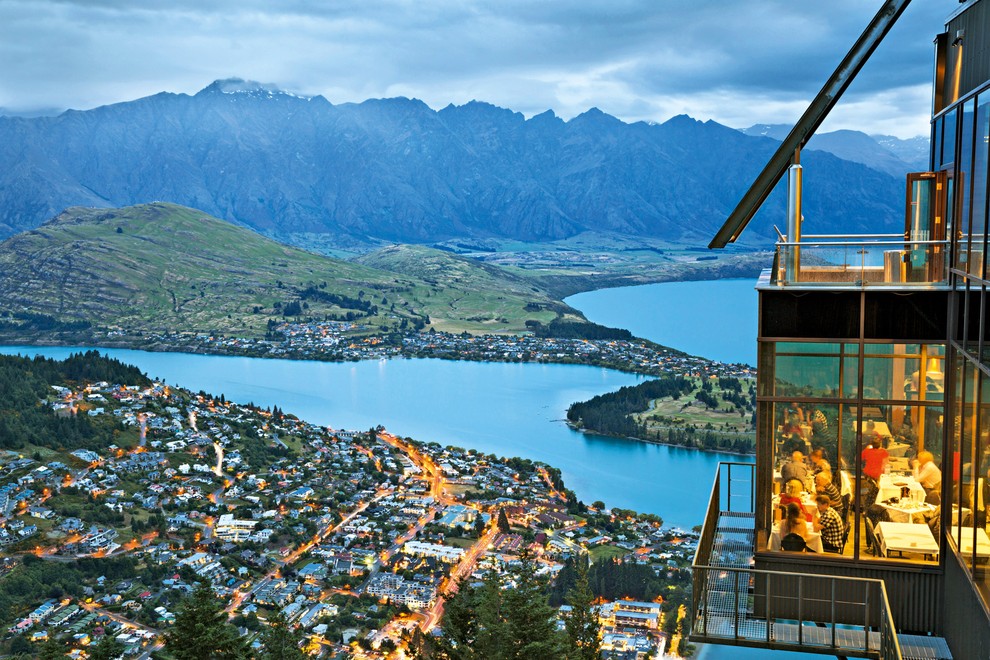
(26, 423)
(162, 268)
(711, 414)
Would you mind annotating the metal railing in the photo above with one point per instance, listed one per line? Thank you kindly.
(874, 260)
(733, 492)
(793, 611)
(736, 604)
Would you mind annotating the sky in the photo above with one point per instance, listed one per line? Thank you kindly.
(737, 62)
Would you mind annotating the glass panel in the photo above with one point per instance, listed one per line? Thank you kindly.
(937, 143)
(970, 487)
(903, 371)
(980, 185)
(964, 184)
(807, 464)
(981, 542)
(949, 138)
(815, 370)
(956, 447)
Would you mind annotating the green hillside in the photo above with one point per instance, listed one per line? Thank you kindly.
(162, 267)
(466, 294)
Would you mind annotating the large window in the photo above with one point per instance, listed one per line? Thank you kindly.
(871, 421)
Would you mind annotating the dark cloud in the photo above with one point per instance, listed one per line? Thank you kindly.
(742, 62)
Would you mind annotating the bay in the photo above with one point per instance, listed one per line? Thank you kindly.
(508, 409)
(715, 319)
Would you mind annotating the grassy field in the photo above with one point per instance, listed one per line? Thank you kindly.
(688, 411)
(162, 267)
(606, 552)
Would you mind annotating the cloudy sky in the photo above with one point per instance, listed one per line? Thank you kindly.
(739, 62)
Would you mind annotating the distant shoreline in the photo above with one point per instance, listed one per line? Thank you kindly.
(648, 441)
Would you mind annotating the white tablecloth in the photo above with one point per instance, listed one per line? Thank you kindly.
(904, 512)
(814, 539)
(890, 486)
(906, 537)
(966, 547)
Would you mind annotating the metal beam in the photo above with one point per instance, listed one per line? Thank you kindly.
(810, 121)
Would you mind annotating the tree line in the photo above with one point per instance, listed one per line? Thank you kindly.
(25, 383)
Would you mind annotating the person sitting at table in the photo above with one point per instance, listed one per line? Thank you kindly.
(792, 492)
(793, 522)
(795, 468)
(819, 464)
(824, 486)
(874, 456)
(926, 472)
(829, 525)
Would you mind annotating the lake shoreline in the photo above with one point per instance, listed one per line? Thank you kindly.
(584, 431)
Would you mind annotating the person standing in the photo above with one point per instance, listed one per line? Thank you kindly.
(874, 458)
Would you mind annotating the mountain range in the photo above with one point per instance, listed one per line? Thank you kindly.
(881, 152)
(311, 173)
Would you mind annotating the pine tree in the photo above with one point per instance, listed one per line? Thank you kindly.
(503, 522)
(108, 649)
(582, 624)
(53, 649)
(201, 631)
(507, 618)
(530, 621)
(280, 642)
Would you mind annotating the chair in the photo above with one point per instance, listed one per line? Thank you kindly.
(794, 543)
(871, 538)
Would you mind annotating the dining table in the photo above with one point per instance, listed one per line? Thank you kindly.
(907, 510)
(891, 484)
(966, 543)
(903, 537)
(813, 539)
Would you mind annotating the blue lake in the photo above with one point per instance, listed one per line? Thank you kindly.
(502, 408)
(715, 319)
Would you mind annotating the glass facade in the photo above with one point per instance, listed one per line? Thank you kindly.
(897, 415)
(968, 448)
(835, 408)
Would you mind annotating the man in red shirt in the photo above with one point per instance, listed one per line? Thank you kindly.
(874, 459)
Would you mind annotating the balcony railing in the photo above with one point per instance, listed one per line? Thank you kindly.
(874, 260)
(793, 611)
(735, 604)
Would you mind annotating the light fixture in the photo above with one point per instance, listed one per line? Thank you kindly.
(960, 34)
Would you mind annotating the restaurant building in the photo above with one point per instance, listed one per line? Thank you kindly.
(871, 352)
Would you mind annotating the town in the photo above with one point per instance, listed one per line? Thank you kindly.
(346, 340)
(356, 538)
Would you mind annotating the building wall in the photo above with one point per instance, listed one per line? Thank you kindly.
(966, 623)
(971, 57)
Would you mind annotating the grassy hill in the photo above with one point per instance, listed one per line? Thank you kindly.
(466, 294)
(156, 267)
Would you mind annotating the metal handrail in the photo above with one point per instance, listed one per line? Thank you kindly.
(826, 236)
(713, 584)
(900, 243)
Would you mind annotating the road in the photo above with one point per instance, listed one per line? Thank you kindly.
(320, 536)
(128, 623)
(464, 568)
